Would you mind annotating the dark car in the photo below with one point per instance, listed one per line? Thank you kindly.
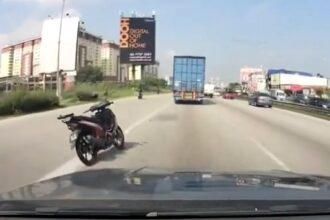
(260, 99)
(301, 99)
(319, 102)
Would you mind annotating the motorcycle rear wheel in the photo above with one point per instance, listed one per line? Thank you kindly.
(119, 140)
(86, 153)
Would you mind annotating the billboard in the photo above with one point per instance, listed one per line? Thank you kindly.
(296, 79)
(246, 72)
(137, 40)
(49, 44)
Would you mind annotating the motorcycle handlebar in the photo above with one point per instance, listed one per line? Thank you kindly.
(99, 106)
(60, 117)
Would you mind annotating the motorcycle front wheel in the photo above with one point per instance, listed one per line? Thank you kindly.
(86, 153)
(119, 140)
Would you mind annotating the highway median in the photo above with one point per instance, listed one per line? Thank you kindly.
(299, 108)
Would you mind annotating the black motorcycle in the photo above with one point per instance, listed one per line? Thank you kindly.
(92, 134)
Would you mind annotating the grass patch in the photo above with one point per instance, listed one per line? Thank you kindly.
(23, 102)
(105, 90)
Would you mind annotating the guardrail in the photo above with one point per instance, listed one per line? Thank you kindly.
(306, 109)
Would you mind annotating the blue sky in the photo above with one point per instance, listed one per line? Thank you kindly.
(292, 34)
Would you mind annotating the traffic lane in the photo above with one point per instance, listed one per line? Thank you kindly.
(36, 144)
(312, 128)
(282, 135)
(188, 137)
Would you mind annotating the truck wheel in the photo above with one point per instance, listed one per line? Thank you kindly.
(200, 102)
(211, 96)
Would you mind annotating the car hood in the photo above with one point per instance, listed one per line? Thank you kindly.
(155, 184)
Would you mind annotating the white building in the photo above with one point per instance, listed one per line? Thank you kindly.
(149, 71)
(38, 56)
(78, 47)
(252, 79)
(295, 81)
(257, 82)
(110, 61)
(245, 73)
(169, 80)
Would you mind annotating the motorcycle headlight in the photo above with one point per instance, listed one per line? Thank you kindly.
(72, 126)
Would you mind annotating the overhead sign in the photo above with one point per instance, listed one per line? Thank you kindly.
(137, 40)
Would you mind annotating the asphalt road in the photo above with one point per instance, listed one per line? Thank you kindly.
(220, 135)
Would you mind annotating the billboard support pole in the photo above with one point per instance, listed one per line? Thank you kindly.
(133, 72)
(140, 86)
(118, 73)
(58, 72)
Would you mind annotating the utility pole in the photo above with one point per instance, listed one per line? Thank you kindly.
(58, 72)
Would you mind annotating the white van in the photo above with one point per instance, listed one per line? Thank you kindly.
(209, 90)
(277, 94)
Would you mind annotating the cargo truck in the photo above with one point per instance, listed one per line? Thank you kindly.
(188, 78)
(209, 90)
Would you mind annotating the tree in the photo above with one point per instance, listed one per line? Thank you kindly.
(89, 74)
(234, 86)
(162, 83)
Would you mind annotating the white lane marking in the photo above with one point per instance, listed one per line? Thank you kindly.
(270, 154)
(75, 164)
(139, 122)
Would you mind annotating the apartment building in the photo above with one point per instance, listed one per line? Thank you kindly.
(88, 50)
(39, 55)
(110, 61)
(21, 59)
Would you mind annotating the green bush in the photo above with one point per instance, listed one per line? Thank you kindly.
(35, 101)
(22, 101)
(84, 95)
(11, 102)
(16, 98)
(6, 107)
(89, 74)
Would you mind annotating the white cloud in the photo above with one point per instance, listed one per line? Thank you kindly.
(41, 2)
(170, 54)
(28, 29)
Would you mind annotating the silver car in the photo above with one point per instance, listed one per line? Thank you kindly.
(260, 99)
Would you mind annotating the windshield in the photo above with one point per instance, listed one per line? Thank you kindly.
(207, 100)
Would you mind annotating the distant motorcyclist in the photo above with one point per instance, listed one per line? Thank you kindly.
(140, 96)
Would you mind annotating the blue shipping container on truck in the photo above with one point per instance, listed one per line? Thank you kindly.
(188, 78)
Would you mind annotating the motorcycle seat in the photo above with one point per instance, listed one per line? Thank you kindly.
(90, 119)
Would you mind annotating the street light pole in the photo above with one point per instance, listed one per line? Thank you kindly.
(58, 73)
